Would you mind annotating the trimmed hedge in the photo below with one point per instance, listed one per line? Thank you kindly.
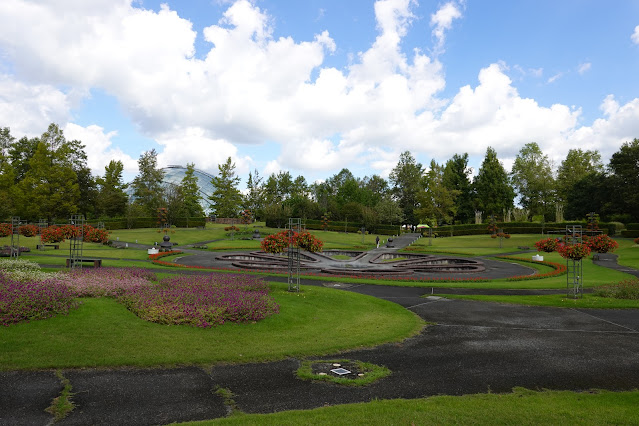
(341, 226)
(630, 233)
(632, 226)
(511, 228)
(143, 222)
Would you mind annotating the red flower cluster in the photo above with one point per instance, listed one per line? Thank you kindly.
(602, 244)
(95, 235)
(574, 251)
(232, 228)
(52, 234)
(637, 240)
(5, 229)
(548, 245)
(28, 230)
(277, 243)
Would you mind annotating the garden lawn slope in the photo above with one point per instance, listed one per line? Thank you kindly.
(103, 333)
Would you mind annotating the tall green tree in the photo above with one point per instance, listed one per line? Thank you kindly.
(457, 178)
(577, 165)
(254, 198)
(147, 185)
(533, 180)
(226, 199)
(405, 179)
(389, 211)
(493, 191)
(112, 199)
(7, 175)
(190, 192)
(50, 187)
(624, 170)
(436, 200)
(21, 152)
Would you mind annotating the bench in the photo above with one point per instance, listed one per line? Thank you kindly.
(96, 262)
(42, 246)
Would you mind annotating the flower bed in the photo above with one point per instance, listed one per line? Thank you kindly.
(628, 289)
(202, 301)
(558, 269)
(107, 281)
(26, 300)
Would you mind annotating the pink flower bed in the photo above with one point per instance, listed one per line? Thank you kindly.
(202, 301)
(107, 281)
(33, 300)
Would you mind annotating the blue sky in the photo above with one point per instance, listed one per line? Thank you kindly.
(314, 86)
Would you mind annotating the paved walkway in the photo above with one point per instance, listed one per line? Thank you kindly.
(474, 347)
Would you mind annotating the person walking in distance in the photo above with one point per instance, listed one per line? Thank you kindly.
(377, 241)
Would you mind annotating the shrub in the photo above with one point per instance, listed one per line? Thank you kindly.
(5, 229)
(28, 230)
(628, 289)
(637, 240)
(602, 244)
(547, 245)
(202, 301)
(574, 251)
(52, 234)
(32, 299)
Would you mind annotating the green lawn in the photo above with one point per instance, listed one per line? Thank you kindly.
(102, 333)
(521, 407)
(560, 301)
(475, 245)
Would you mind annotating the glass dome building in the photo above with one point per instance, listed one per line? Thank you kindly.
(174, 174)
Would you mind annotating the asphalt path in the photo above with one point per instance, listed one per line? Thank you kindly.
(471, 347)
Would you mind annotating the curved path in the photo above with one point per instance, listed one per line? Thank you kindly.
(474, 347)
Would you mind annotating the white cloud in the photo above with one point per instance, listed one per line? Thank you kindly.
(583, 68)
(99, 148)
(29, 109)
(442, 21)
(635, 36)
(555, 77)
(250, 88)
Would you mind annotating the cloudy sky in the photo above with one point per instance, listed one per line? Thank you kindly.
(317, 85)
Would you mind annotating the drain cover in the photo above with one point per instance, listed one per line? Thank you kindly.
(337, 285)
(340, 371)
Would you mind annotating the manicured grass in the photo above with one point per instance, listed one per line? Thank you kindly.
(628, 253)
(370, 373)
(560, 301)
(521, 407)
(475, 245)
(102, 332)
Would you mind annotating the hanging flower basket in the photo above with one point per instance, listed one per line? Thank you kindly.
(574, 251)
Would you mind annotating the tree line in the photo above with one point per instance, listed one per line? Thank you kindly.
(47, 177)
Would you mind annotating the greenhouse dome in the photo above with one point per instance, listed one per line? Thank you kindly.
(174, 174)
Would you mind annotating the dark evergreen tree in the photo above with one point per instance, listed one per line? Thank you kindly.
(624, 174)
(190, 193)
(226, 199)
(457, 178)
(493, 192)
